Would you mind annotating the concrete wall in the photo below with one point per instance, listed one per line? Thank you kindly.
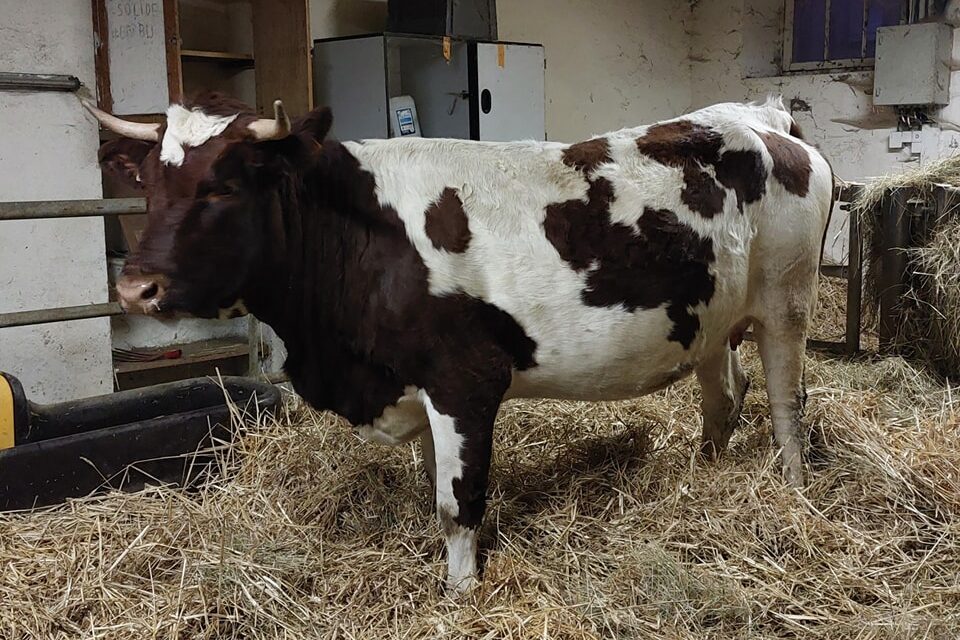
(735, 51)
(735, 55)
(48, 151)
(610, 63)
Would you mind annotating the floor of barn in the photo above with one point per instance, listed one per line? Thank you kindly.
(601, 524)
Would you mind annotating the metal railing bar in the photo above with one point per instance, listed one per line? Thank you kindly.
(38, 82)
(71, 208)
(59, 314)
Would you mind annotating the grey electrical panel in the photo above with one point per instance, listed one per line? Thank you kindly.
(912, 66)
(349, 78)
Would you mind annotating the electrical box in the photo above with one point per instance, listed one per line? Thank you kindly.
(912, 66)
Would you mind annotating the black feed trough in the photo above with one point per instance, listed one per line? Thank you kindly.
(124, 440)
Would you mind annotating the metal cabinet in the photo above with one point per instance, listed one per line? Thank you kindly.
(465, 89)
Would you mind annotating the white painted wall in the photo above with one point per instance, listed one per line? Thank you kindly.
(610, 63)
(48, 152)
(735, 49)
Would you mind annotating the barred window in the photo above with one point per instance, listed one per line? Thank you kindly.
(827, 34)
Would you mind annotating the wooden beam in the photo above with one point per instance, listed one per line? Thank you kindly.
(101, 55)
(171, 32)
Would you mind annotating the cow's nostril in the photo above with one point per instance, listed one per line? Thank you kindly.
(150, 291)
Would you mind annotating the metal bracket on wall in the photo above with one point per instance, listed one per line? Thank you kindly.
(38, 82)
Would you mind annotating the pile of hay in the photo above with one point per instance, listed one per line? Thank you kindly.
(929, 326)
(601, 525)
(830, 317)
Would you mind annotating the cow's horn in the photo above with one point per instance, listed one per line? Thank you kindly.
(272, 129)
(136, 130)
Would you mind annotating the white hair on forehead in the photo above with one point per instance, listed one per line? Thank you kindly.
(189, 128)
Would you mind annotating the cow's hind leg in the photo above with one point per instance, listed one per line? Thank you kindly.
(723, 385)
(463, 441)
(782, 343)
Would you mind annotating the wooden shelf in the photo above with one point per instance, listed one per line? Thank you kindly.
(193, 353)
(245, 59)
(229, 357)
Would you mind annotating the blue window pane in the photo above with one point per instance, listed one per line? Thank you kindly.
(880, 13)
(809, 18)
(846, 29)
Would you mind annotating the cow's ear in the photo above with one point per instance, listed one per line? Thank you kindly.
(317, 123)
(123, 157)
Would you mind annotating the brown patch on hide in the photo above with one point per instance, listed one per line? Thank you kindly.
(588, 155)
(791, 163)
(692, 148)
(796, 131)
(446, 223)
(659, 261)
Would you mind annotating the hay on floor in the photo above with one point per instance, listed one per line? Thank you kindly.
(601, 525)
(929, 324)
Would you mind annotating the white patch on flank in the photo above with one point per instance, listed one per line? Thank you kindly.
(461, 542)
(187, 128)
(399, 423)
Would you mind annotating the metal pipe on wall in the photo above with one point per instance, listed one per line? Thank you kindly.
(38, 82)
(59, 314)
(71, 208)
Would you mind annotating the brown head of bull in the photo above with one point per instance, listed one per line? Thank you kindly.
(207, 174)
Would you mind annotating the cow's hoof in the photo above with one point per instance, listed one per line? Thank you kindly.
(461, 587)
(710, 451)
(793, 476)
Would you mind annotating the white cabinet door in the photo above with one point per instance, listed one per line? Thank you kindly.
(511, 100)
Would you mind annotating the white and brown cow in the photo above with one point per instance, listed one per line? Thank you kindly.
(418, 283)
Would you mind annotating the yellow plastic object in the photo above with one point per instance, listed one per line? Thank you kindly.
(6, 414)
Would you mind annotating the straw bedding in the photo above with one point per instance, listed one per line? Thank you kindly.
(601, 525)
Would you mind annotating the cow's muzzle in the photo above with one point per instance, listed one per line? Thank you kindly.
(142, 293)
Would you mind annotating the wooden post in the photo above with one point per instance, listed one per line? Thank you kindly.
(171, 29)
(253, 339)
(854, 285)
(895, 235)
(101, 55)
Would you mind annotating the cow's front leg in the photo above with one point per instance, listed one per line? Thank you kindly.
(463, 440)
(723, 386)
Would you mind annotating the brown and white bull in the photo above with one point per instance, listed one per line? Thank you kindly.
(419, 283)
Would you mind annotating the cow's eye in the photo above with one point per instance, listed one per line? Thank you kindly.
(219, 189)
